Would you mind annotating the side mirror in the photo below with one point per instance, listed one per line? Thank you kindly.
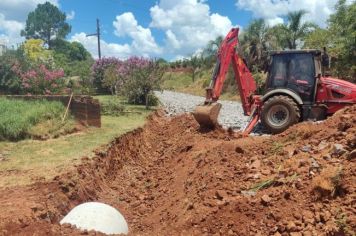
(325, 60)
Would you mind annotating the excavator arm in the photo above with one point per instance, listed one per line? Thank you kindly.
(207, 114)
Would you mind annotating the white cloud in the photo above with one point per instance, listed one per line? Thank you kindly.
(178, 58)
(142, 40)
(107, 49)
(274, 21)
(19, 9)
(70, 15)
(172, 40)
(188, 24)
(273, 10)
(11, 30)
(13, 14)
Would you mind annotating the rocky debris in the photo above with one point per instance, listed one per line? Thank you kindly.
(338, 150)
(314, 165)
(322, 145)
(328, 182)
(352, 155)
(296, 234)
(170, 178)
(255, 165)
(248, 193)
(306, 148)
(265, 199)
(308, 217)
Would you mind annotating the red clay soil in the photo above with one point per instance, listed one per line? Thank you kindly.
(170, 178)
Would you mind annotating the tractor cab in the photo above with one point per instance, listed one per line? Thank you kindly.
(295, 70)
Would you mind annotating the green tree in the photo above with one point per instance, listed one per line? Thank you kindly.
(317, 39)
(76, 62)
(98, 72)
(210, 51)
(194, 64)
(46, 22)
(291, 34)
(342, 28)
(255, 43)
(36, 53)
(10, 82)
(339, 37)
(162, 62)
(111, 78)
(141, 77)
(74, 51)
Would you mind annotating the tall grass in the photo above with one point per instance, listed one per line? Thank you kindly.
(17, 117)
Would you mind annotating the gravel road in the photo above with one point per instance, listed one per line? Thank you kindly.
(231, 114)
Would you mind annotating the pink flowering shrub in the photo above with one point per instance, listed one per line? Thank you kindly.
(40, 80)
(142, 76)
(124, 69)
(135, 78)
(98, 72)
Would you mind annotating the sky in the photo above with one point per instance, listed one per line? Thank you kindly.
(166, 29)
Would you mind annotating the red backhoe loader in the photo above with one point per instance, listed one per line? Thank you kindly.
(296, 89)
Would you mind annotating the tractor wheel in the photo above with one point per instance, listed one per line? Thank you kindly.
(278, 113)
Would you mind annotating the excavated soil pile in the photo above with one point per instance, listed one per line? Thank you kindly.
(170, 178)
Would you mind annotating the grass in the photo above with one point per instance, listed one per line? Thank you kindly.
(104, 99)
(182, 82)
(341, 222)
(23, 119)
(27, 161)
(262, 185)
(276, 148)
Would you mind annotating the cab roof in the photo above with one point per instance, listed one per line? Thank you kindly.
(311, 51)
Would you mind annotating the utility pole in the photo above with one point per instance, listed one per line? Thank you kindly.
(97, 34)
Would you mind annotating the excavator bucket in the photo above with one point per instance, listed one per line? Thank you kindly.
(207, 115)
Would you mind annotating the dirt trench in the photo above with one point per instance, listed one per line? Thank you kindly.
(170, 178)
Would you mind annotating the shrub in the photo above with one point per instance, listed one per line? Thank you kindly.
(134, 78)
(153, 100)
(260, 79)
(112, 107)
(10, 81)
(141, 77)
(136, 96)
(17, 117)
(98, 73)
(41, 80)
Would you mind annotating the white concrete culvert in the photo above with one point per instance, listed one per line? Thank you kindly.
(96, 216)
(231, 114)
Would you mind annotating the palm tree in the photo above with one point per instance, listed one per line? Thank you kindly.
(195, 62)
(254, 43)
(289, 35)
(210, 51)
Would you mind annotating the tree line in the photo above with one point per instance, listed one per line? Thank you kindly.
(46, 63)
(257, 39)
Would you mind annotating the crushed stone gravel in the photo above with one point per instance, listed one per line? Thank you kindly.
(175, 103)
(231, 114)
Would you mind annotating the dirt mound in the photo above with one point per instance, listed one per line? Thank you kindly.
(169, 178)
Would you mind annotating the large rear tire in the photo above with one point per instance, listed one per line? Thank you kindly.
(279, 113)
